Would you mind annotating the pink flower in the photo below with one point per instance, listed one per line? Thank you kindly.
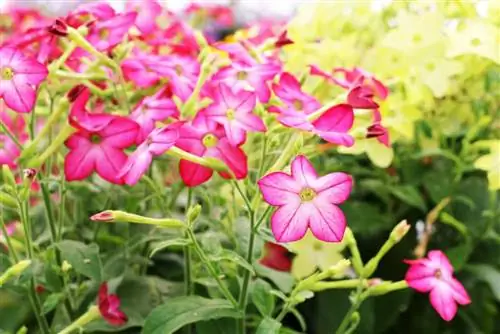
(178, 36)
(148, 11)
(182, 72)
(240, 76)
(98, 144)
(361, 97)
(208, 139)
(305, 200)
(276, 257)
(434, 274)
(156, 143)
(233, 110)
(109, 306)
(333, 125)
(11, 229)
(382, 134)
(153, 109)
(104, 35)
(99, 10)
(236, 52)
(19, 79)
(289, 91)
(9, 151)
(141, 68)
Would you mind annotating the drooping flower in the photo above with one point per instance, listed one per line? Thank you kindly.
(234, 111)
(147, 13)
(255, 77)
(306, 201)
(104, 35)
(155, 144)
(109, 307)
(276, 257)
(19, 79)
(152, 109)
(208, 139)
(313, 254)
(289, 91)
(434, 274)
(98, 144)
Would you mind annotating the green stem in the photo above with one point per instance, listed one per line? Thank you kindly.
(64, 133)
(358, 300)
(91, 315)
(9, 134)
(286, 154)
(344, 284)
(203, 257)
(12, 251)
(206, 162)
(188, 271)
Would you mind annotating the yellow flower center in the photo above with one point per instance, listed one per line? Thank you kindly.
(178, 69)
(104, 33)
(317, 246)
(307, 194)
(230, 114)
(209, 140)
(241, 75)
(438, 274)
(7, 73)
(298, 105)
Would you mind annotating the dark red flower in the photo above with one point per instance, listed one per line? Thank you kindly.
(109, 306)
(276, 257)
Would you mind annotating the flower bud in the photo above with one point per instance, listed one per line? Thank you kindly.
(115, 216)
(375, 130)
(65, 267)
(22, 330)
(59, 28)
(8, 176)
(283, 40)
(193, 213)
(7, 200)
(107, 216)
(14, 271)
(29, 174)
(399, 231)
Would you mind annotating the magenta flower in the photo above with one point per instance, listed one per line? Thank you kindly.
(333, 125)
(361, 97)
(178, 36)
(9, 151)
(11, 229)
(19, 79)
(305, 200)
(233, 110)
(236, 52)
(99, 10)
(109, 307)
(156, 143)
(382, 134)
(152, 109)
(104, 35)
(147, 13)
(141, 69)
(242, 76)
(208, 139)
(182, 72)
(98, 144)
(434, 274)
(289, 91)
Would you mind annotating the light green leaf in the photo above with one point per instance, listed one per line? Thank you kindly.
(283, 280)
(229, 255)
(83, 258)
(262, 298)
(410, 196)
(181, 311)
(179, 242)
(268, 326)
(489, 275)
(52, 302)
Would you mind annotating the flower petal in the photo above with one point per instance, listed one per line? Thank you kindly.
(289, 222)
(279, 188)
(303, 171)
(327, 221)
(109, 163)
(334, 188)
(18, 95)
(193, 174)
(442, 300)
(80, 163)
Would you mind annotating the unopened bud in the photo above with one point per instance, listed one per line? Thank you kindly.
(7, 200)
(375, 130)
(399, 231)
(65, 267)
(283, 40)
(340, 268)
(22, 330)
(8, 176)
(75, 92)
(14, 271)
(29, 174)
(107, 216)
(59, 28)
(193, 213)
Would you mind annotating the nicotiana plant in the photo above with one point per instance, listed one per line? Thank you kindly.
(132, 136)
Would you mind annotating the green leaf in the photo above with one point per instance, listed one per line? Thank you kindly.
(179, 242)
(356, 214)
(181, 311)
(52, 302)
(84, 258)
(219, 326)
(410, 196)
(229, 255)
(489, 275)
(262, 298)
(268, 326)
(283, 280)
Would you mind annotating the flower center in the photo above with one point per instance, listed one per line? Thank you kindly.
(307, 194)
(241, 75)
(438, 274)
(230, 114)
(317, 246)
(209, 140)
(95, 139)
(298, 105)
(178, 69)
(7, 73)
(104, 33)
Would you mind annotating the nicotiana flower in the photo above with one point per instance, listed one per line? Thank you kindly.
(104, 35)
(152, 109)
(179, 37)
(306, 201)
(155, 144)
(19, 79)
(276, 257)
(313, 254)
(109, 307)
(11, 229)
(182, 73)
(289, 91)
(98, 144)
(208, 139)
(147, 13)
(142, 69)
(434, 274)
(241, 76)
(234, 111)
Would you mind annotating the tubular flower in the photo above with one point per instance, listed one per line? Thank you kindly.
(242, 76)
(153, 109)
(156, 143)
(434, 274)
(98, 144)
(208, 139)
(109, 307)
(289, 91)
(276, 257)
(233, 110)
(19, 79)
(306, 201)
